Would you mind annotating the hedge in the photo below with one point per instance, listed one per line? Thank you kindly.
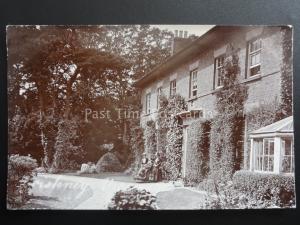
(264, 187)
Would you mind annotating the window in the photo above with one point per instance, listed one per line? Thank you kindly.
(193, 83)
(159, 92)
(219, 70)
(148, 103)
(264, 154)
(172, 87)
(254, 49)
(287, 163)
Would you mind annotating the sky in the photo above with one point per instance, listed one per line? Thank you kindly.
(191, 29)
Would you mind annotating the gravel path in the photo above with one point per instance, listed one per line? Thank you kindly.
(74, 192)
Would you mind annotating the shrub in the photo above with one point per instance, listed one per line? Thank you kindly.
(19, 179)
(197, 156)
(268, 189)
(108, 163)
(133, 198)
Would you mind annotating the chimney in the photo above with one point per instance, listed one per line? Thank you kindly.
(180, 40)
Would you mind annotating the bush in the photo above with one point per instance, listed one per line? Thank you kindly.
(197, 156)
(108, 163)
(133, 198)
(19, 179)
(268, 189)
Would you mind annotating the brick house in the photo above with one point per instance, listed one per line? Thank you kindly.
(194, 72)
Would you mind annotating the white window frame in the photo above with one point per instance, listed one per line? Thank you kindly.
(219, 70)
(148, 103)
(260, 168)
(194, 83)
(253, 53)
(172, 87)
(158, 92)
(292, 155)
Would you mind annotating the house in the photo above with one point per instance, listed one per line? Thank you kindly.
(195, 72)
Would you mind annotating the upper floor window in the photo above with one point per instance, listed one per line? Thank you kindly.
(172, 87)
(287, 163)
(254, 56)
(193, 83)
(264, 155)
(219, 70)
(148, 103)
(159, 93)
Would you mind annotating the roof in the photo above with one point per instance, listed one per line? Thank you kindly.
(281, 126)
(189, 52)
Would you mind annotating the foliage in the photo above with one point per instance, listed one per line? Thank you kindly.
(68, 151)
(171, 124)
(227, 127)
(286, 74)
(19, 179)
(133, 198)
(197, 156)
(150, 138)
(137, 148)
(109, 162)
(267, 189)
(66, 69)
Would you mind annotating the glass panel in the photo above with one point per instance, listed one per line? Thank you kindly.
(271, 147)
(286, 164)
(271, 163)
(266, 147)
(255, 70)
(288, 143)
(265, 163)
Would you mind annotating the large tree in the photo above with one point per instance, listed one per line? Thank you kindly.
(55, 72)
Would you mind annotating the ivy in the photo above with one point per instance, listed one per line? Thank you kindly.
(228, 125)
(197, 156)
(170, 133)
(286, 108)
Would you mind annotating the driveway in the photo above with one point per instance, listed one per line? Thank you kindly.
(54, 191)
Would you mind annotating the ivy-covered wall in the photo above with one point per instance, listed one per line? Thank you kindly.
(197, 155)
(150, 138)
(169, 135)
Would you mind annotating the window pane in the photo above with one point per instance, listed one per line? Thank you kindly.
(266, 147)
(271, 163)
(271, 148)
(265, 163)
(254, 70)
(287, 146)
(286, 164)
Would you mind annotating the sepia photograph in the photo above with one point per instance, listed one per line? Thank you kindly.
(150, 117)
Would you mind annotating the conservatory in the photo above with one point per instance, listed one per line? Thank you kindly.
(272, 148)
